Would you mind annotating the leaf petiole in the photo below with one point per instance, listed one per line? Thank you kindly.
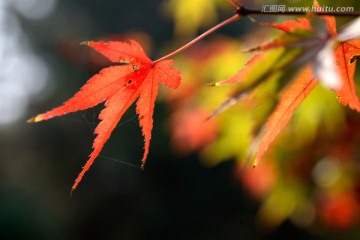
(208, 32)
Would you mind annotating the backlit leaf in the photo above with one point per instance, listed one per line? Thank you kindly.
(119, 86)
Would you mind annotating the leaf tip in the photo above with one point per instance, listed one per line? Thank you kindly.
(34, 119)
(256, 161)
(86, 43)
(74, 186)
(143, 161)
(217, 84)
(253, 49)
(71, 191)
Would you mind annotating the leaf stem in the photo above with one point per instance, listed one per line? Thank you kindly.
(211, 30)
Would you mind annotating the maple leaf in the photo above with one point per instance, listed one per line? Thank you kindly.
(344, 54)
(119, 86)
(288, 25)
(289, 102)
(302, 86)
(338, 66)
(298, 91)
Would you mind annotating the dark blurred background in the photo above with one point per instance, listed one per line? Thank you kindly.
(42, 64)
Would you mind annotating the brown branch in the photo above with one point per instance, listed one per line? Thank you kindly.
(242, 11)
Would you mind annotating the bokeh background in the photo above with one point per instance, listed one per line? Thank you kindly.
(193, 186)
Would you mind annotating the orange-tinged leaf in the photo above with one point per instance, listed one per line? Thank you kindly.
(330, 20)
(342, 62)
(168, 75)
(119, 87)
(290, 25)
(100, 87)
(257, 67)
(120, 51)
(344, 55)
(293, 28)
(115, 107)
(145, 109)
(288, 103)
(244, 72)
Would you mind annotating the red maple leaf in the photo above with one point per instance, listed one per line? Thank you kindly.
(119, 86)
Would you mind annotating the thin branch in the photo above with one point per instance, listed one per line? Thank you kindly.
(211, 30)
(241, 12)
